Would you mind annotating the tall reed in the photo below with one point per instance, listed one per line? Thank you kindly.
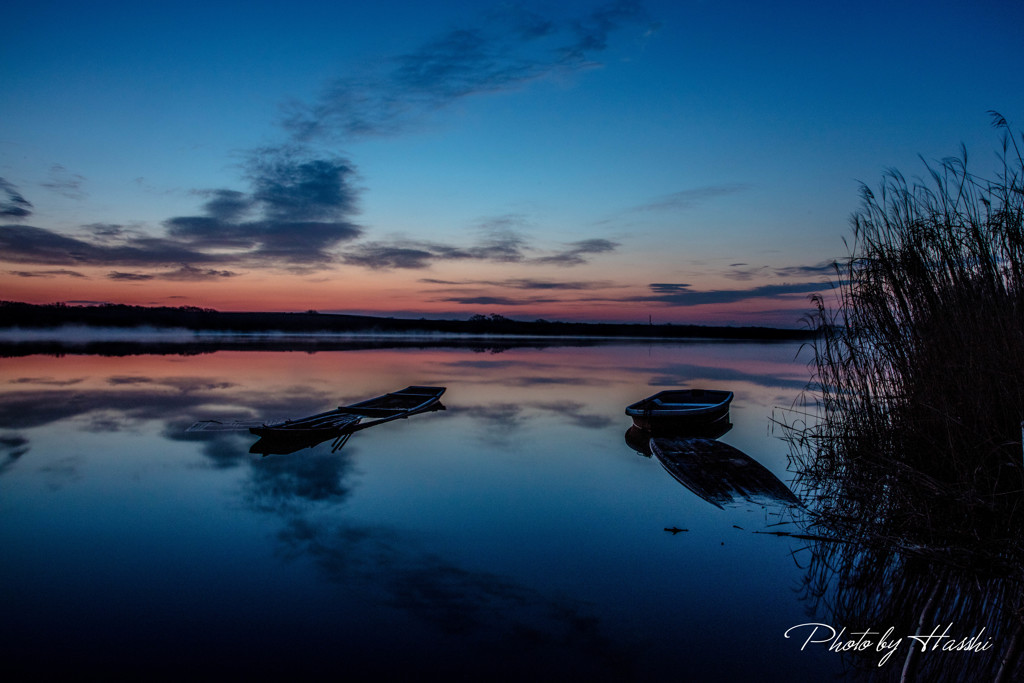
(913, 460)
(919, 367)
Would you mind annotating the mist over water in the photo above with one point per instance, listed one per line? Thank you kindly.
(515, 533)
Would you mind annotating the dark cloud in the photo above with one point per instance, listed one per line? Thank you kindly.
(380, 256)
(65, 183)
(506, 50)
(185, 273)
(683, 295)
(28, 244)
(687, 199)
(297, 212)
(109, 231)
(524, 283)
(46, 273)
(496, 301)
(301, 204)
(825, 268)
(129, 277)
(226, 205)
(12, 204)
(500, 245)
(577, 252)
(744, 272)
(188, 273)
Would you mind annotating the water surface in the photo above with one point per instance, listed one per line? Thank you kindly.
(515, 533)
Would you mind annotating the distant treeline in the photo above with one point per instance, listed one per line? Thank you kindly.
(23, 315)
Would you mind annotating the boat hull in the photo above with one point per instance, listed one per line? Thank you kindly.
(346, 419)
(682, 410)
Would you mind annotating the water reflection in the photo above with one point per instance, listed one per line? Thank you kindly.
(504, 537)
(719, 473)
(897, 546)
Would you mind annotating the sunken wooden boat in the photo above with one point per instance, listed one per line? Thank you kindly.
(719, 473)
(679, 410)
(345, 420)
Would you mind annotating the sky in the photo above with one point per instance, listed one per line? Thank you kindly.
(674, 162)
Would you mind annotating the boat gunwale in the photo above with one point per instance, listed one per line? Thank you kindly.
(644, 408)
(321, 423)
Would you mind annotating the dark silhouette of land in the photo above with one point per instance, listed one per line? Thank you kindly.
(33, 316)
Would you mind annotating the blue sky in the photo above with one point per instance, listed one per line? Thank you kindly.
(687, 161)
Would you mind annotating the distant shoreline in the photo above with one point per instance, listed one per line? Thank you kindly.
(56, 322)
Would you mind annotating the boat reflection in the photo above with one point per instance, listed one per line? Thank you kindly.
(719, 473)
(715, 471)
(640, 439)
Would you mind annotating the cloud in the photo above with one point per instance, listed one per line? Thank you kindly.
(129, 277)
(577, 251)
(12, 204)
(496, 301)
(824, 268)
(744, 272)
(498, 243)
(683, 295)
(301, 204)
(189, 273)
(507, 49)
(184, 273)
(65, 183)
(28, 244)
(296, 213)
(687, 199)
(46, 273)
(525, 283)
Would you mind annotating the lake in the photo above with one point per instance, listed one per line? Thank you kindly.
(516, 534)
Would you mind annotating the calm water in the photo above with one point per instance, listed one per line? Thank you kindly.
(515, 534)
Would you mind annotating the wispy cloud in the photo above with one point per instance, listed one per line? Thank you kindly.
(46, 273)
(184, 273)
(129, 277)
(496, 301)
(28, 244)
(671, 294)
(502, 244)
(744, 272)
(507, 49)
(12, 204)
(65, 183)
(524, 283)
(688, 199)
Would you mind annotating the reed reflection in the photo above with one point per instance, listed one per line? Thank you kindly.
(912, 463)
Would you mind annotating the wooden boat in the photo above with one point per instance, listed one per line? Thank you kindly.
(719, 473)
(348, 419)
(681, 409)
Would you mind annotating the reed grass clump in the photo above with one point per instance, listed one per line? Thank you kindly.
(919, 365)
(913, 465)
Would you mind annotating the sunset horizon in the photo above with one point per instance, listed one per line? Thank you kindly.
(619, 162)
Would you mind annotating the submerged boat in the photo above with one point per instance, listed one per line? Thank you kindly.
(681, 409)
(719, 473)
(348, 419)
